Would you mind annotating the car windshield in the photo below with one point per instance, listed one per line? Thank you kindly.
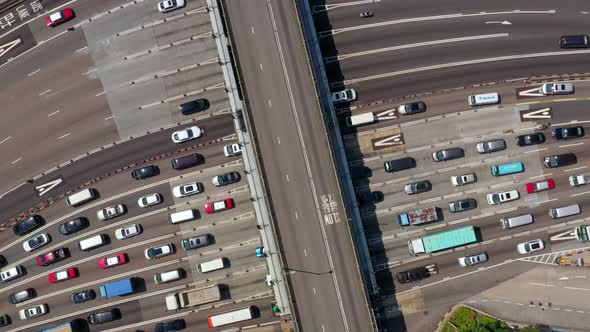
(535, 246)
(36, 241)
(550, 87)
(157, 251)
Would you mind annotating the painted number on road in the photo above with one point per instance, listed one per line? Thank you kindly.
(330, 209)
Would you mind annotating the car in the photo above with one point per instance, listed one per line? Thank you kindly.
(491, 146)
(28, 225)
(560, 160)
(225, 179)
(530, 139)
(145, 172)
(218, 206)
(102, 317)
(73, 226)
(60, 17)
(194, 106)
(370, 198)
(463, 179)
(187, 189)
(4, 320)
(462, 205)
(170, 5)
(186, 134)
(108, 262)
(232, 150)
(574, 41)
(535, 187)
(175, 325)
(549, 89)
(196, 242)
(52, 257)
(11, 273)
(149, 200)
(448, 154)
(62, 275)
(366, 14)
(503, 197)
(36, 242)
(111, 212)
(418, 187)
(344, 96)
(567, 132)
(83, 296)
(412, 108)
(530, 246)
(22, 296)
(416, 274)
(128, 231)
(473, 259)
(32, 312)
(159, 251)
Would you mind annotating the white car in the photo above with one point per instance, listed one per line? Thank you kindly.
(32, 312)
(111, 212)
(560, 88)
(232, 150)
(159, 251)
(530, 246)
(13, 272)
(461, 180)
(186, 134)
(187, 189)
(503, 197)
(473, 259)
(169, 5)
(343, 96)
(128, 231)
(36, 242)
(149, 200)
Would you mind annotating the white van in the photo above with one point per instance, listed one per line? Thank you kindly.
(361, 119)
(93, 242)
(169, 276)
(214, 265)
(81, 197)
(484, 99)
(564, 211)
(182, 216)
(508, 223)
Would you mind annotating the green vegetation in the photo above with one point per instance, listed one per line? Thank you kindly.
(467, 320)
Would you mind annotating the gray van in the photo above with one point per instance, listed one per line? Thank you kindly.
(187, 161)
(491, 146)
(399, 164)
(508, 223)
(448, 154)
(21, 296)
(565, 211)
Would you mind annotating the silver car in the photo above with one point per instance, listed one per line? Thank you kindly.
(473, 259)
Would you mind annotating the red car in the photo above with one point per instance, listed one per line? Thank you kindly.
(62, 275)
(52, 257)
(213, 207)
(106, 262)
(535, 187)
(60, 17)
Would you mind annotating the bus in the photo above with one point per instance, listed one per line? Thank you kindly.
(505, 169)
(443, 240)
(73, 326)
(230, 317)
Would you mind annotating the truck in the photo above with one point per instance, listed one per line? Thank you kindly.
(442, 240)
(117, 288)
(579, 180)
(418, 217)
(193, 297)
(582, 233)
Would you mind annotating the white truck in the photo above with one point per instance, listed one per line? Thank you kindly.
(193, 297)
(579, 180)
(582, 233)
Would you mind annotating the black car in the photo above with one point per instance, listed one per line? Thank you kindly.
(83, 296)
(145, 172)
(103, 316)
(574, 41)
(3, 261)
(197, 105)
(28, 225)
(530, 139)
(73, 226)
(567, 133)
(560, 160)
(370, 198)
(226, 178)
(175, 325)
(417, 274)
(21, 296)
(4, 320)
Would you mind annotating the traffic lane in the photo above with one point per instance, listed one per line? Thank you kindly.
(109, 160)
(371, 89)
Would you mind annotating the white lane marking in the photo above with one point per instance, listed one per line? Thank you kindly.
(33, 73)
(499, 22)
(567, 123)
(305, 252)
(110, 117)
(540, 176)
(576, 288)
(54, 113)
(296, 215)
(531, 151)
(88, 72)
(261, 68)
(314, 292)
(568, 145)
(407, 46)
(287, 176)
(16, 161)
(64, 136)
(278, 139)
(252, 29)
(269, 103)
(6, 139)
(45, 92)
(574, 169)
(579, 194)
(547, 201)
(100, 94)
(81, 49)
(537, 284)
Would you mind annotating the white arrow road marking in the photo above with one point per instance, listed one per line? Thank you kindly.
(44, 188)
(567, 235)
(387, 115)
(544, 113)
(534, 92)
(499, 22)
(8, 46)
(389, 141)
